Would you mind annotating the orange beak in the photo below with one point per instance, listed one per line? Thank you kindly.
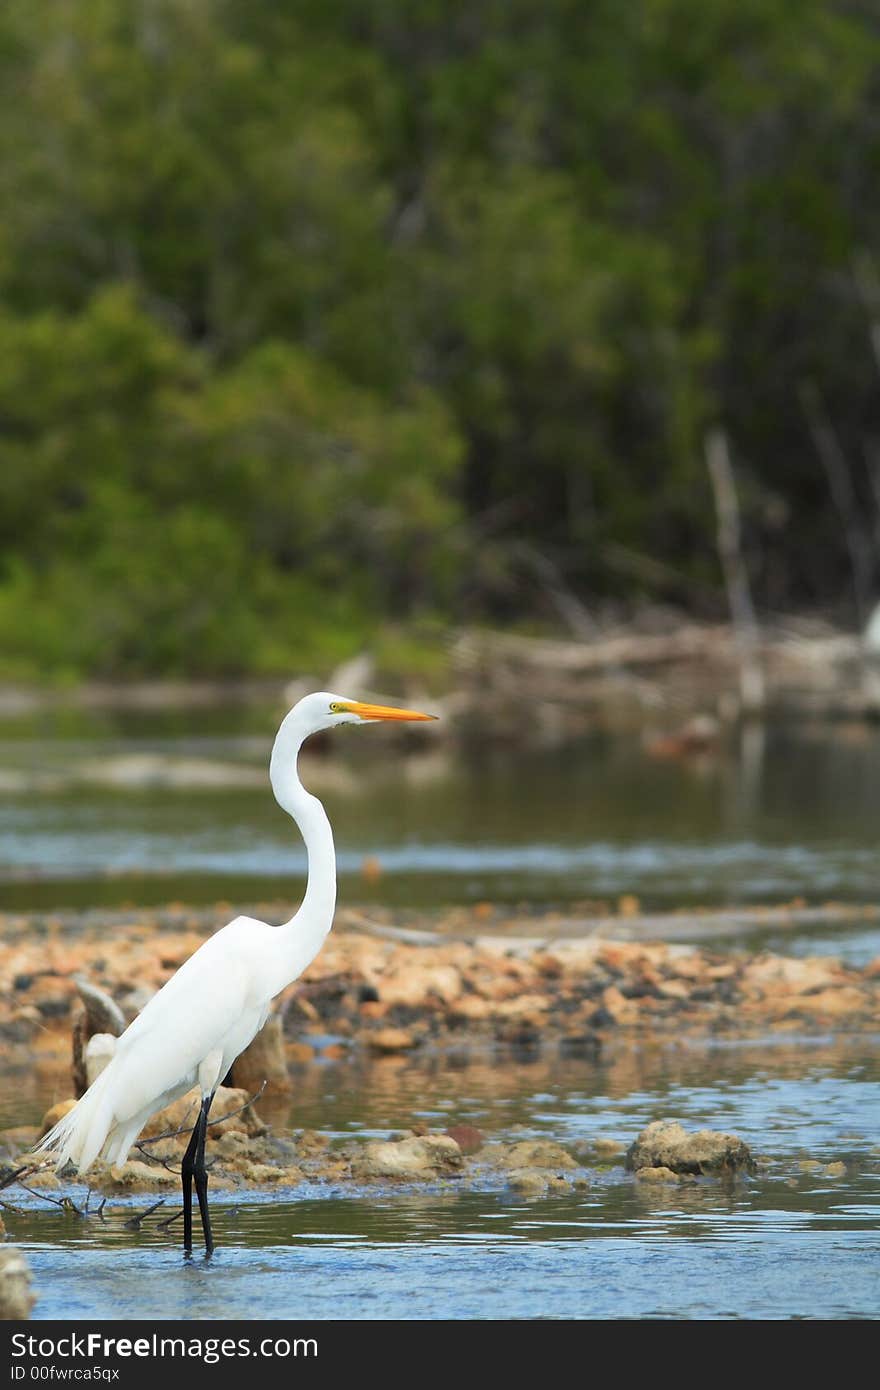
(384, 712)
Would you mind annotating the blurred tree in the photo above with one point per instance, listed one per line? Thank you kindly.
(313, 317)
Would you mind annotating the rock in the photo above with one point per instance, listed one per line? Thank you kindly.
(467, 1137)
(98, 1052)
(790, 975)
(413, 984)
(266, 1172)
(835, 1170)
(528, 1182)
(391, 1040)
(55, 1113)
(656, 1175)
(311, 1141)
(608, 1148)
(16, 1298)
(533, 1153)
(433, 1155)
(182, 1114)
(133, 1175)
(263, 1060)
(666, 1144)
(834, 1003)
(618, 1007)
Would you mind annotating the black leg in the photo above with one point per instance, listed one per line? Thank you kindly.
(201, 1175)
(193, 1168)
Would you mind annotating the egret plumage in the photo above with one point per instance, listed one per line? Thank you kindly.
(191, 1031)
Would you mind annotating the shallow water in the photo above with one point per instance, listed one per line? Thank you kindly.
(790, 1242)
(143, 810)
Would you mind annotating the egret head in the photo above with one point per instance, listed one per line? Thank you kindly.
(325, 710)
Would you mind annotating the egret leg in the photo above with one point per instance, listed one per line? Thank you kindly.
(193, 1169)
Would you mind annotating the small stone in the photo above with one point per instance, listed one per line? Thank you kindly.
(431, 1155)
(659, 1174)
(391, 1040)
(835, 1170)
(133, 1175)
(16, 1298)
(534, 1153)
(809, 1165)
(469, 1139)
(528, 1182)
(607, 1148)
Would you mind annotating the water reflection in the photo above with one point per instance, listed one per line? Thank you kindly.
(774, 813)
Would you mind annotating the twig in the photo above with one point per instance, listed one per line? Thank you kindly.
(163, 1225)
(134, 1222)
(65, 1203)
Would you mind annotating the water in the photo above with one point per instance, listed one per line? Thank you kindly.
(144, 808)
(112, 810)
(787, 1243)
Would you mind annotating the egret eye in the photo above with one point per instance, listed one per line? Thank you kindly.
(337, 707)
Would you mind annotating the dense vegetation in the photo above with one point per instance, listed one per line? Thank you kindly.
(321, 319)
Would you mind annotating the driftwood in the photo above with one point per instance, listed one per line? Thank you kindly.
(736, 578)
(705, 926)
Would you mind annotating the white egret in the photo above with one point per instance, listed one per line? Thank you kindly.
(193, 1029)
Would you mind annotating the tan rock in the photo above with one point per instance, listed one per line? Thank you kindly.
(621, 1009)
(133, 1175)
(790, 974)
(607, 1148)
(230, 1110)
(528, 1182)
(666, 1144)
(414, 984)
(16, 1297)
(523, 1006)
(659, 1174)
(834, 1003)
(532, 1153)
(391, 1040)
(431, 1155)
(263, 1061)
(55, 1113)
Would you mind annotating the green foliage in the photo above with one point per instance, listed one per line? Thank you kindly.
(314, 320)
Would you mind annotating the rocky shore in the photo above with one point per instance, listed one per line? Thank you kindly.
(398, 990)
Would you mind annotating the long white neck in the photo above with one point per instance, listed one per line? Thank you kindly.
(300, 939)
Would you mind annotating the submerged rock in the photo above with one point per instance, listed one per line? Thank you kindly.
(528, 1182)
(532, 1153)
(667, 1144)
